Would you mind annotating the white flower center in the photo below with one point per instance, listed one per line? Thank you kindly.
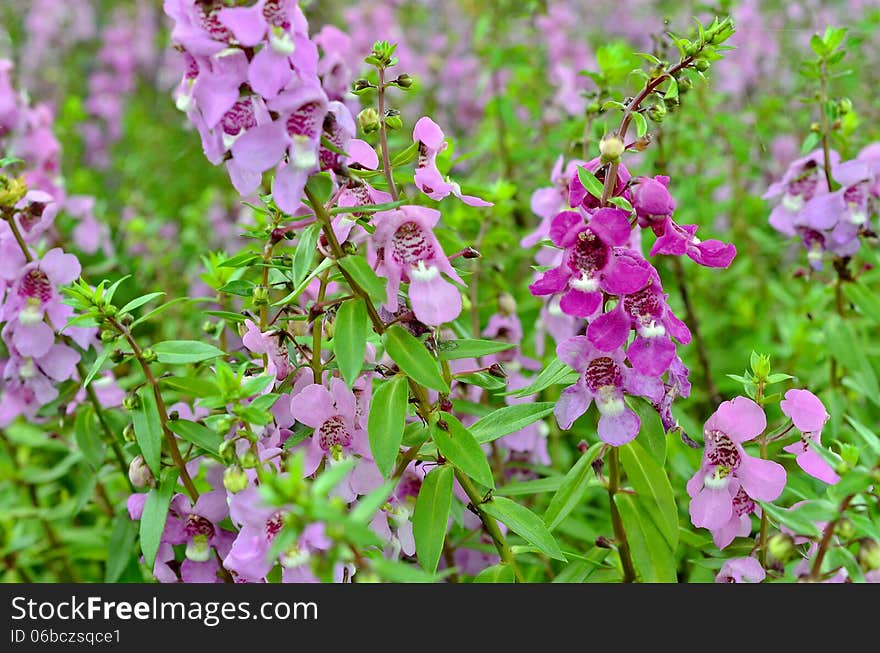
(294, 556)
(717, 479)
(27, 370)
(302, 153)
(197, 549)
(652, 330)
(793, 203)
(422, 272)
(31, 313)
(609, 402)
(856, 215)
(585, 283)
(281, 41)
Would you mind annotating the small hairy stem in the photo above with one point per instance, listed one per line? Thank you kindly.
(629, 572)
(317, 332)
(383, 138)
(489, 524)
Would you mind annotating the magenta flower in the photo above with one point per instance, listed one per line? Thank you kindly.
(428, 179)
(332, 413)
(34, 296)
(726, 469)
(578, 194)
(196, 525)
(651, 199)
(604, 377)
(678, 240)
(271, 343)
(548, 202)
(589, 265)
(645, 311)
(809, 416)
(741, 570)
(802, 182)
(407, 250)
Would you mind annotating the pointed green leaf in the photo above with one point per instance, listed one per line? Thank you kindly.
(148, 429)
(359, 270)
(524, 523)
(651, 555)
(431, 516)
(140, 301)
(500, 573)
(386, 422)
(571, 493)
(651, 484)
(350, 338)
(178, 352)
(413, 358)
(459, 447)
(198, 434)
(590, 182)
(85, 430)
(465, 348)
(155, 514)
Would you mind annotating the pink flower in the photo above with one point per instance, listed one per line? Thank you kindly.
(809, 416)
(428, 179)
(589, 264)
(407, 250)
(741, 570)
(716, 501)
(604, 377)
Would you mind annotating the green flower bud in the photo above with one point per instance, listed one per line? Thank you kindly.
(869, 554)
(249, 459)
(126, 319)
(108, 335)
(12, 190)
(149, 355)
(844, 529)
(393, 121)
(117, 356)
(361, 86)
(227, 451)
(780, 546)
(702, 65)
(131, 402)
(611, 147)
(368, 120)
(403, 81)
(657, 112)
(845, 105)
(260, 295)
(235, 479)
(128, 433)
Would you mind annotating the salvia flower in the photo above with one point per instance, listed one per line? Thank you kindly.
(741, 570)
(809, 416)
(717, 502)
(407, 250)
(604, 377)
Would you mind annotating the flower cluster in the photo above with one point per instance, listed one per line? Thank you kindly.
(725, 489)
(828, 205)
(596, 272)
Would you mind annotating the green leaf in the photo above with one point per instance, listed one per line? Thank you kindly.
(865, 300)
(179, 352)
(400, 572)
(305, 252)
(651, 555)
(368, 505)
(555, 373)
(406, 156)
(240, 287)
(810, 143)
(866, 434)
(323, 265)
(97, 365)
(459, 447)
(500, 573)
(524, 523)
(590, 182)
(148, 429)
(413, 359)
(159, 309)
(331, 477)
(242, 260)
(155, 514)
(652, 486)
(111, 291)
(431, 515)
(85, 431)
(191, 386)
(350, 338)
(386, 422)
(140, 301)
(455, 349)
(509, 419)
(367, 208)
(792, 519)
(574, 486)
(120, 547)
(652, 435)
(641, 124)
(198, 434)
(671, 90)
(359, 270)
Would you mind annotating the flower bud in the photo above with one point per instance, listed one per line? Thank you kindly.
(128, 433)
(131, 402)
(368, 120)
(260, 295)
(393, 121)
(361, 85)
(506, 304)
(139, 473)
(780, 546)
(602, 542)
(117, 356)
(108, 335)
(403, 81)
(235, 479)
(249, 459)
(223, 425)
(208, 326)
(11, 190)
(149, 355)
(657, 112)
(844, 529)
(126, 319)
(702, 65)
(497, 370)
(869, 554)
(611, 147)
(845, 105)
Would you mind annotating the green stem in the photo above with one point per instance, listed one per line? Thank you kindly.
(317, 332)
(629, 572)
(489, 524)
(816, 569)
(383, 138)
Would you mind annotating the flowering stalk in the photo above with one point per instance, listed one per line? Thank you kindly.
(383, 135)
(629, 573)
